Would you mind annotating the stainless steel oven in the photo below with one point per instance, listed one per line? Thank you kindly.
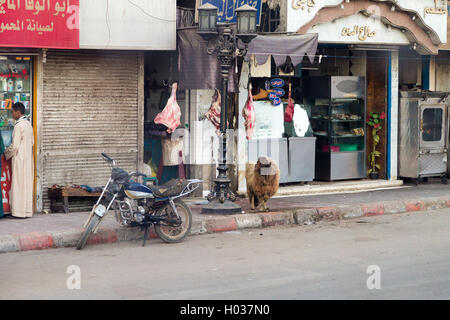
(423, 142)
(432, 126)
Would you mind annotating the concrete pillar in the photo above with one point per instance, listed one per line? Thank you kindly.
(432, 73)
(242, 156)
(393, 115)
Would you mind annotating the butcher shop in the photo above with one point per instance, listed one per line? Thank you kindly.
(332, 114)
(271, 81)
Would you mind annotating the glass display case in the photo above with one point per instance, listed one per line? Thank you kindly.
(338, 124)
(338, 113)
(15, 86)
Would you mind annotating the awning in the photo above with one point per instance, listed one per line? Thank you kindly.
(281, 46)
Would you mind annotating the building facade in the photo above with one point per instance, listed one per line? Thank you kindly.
(87, 97)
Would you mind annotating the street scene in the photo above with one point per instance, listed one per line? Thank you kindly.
(209, 150)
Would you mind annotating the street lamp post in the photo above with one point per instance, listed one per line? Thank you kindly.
(221, 199)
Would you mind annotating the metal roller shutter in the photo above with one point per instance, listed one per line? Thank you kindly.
(90, 105)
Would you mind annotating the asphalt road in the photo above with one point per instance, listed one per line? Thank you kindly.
(409, 254)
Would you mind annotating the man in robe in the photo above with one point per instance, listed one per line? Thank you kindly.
(21, 154)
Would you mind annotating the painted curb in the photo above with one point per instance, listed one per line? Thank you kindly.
(291, 216)
(9, 244)
(249, 220)
(35, 241)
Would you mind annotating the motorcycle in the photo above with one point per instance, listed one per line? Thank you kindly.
(136, 204)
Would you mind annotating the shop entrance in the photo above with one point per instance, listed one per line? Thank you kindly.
(160, 73)
(377, 83)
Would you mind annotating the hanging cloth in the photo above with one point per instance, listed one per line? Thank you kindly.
(282, 46)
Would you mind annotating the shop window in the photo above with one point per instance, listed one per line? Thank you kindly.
(432, 124)
(270, 19)
(15, 86)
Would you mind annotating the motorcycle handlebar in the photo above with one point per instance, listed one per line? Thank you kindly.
(108, 158)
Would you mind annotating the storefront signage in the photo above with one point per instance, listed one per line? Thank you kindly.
(301, 13)
(435, 10)
(277, 83)
(272, 95)
(367, 31)
(276, 101)
(278, 92)
(363, 32)
(39, 24)
(227, 8)
(303, 4)
(447, 45)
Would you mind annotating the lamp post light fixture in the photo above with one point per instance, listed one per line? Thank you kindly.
(207, 21)
(221, 198)
(246, 26)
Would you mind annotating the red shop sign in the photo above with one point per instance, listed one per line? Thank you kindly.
(40, 24)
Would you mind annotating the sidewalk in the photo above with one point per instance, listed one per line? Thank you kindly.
(45, 231)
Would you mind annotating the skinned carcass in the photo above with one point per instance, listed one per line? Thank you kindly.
(171, 114)
(249, 114)
(289, 112)
(213, 113)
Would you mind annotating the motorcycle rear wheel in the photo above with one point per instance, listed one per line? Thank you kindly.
(92, 224)
(171, 234)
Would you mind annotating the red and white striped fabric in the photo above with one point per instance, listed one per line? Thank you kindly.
(171, 114)
(249, 114)
(213, 113)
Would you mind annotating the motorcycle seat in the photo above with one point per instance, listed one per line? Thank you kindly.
(171, 188)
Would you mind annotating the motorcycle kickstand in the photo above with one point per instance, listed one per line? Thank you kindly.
(145, 234)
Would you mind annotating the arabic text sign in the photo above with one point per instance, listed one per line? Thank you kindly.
(40, 24)
(277, 83)
(363, 32)
(226, 11)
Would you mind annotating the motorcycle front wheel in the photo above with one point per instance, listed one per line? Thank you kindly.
(91, 226)
(173, 234)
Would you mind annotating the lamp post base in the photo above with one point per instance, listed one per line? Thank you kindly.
(221, 199)
(217, 207)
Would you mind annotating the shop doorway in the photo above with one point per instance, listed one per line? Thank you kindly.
(377, 92)
(161, 71)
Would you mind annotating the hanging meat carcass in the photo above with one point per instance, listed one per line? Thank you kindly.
(171, 114)
(249, 114)
(213, 113)
(289, 112)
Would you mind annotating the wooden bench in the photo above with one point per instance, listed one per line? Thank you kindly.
(63, 193)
